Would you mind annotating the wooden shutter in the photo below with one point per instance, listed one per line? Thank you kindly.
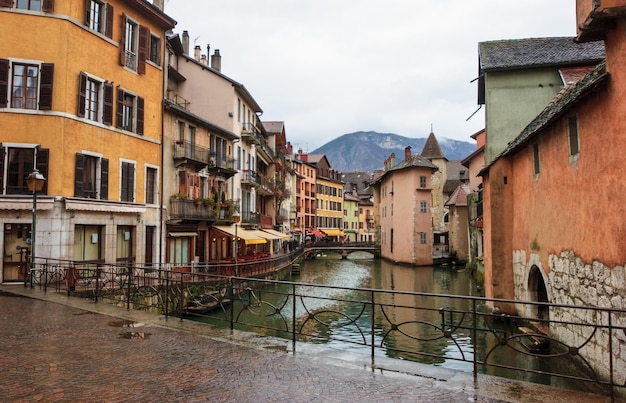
(4, 83)
(87, 12)
(42, 166)
(1, 169)
(107, 110)
(104, 179)
(142, 53)
(140, 115)
(120, 107)
(128, 182)
(82, 94)
(108, 24)
(6, 3)
(45, 90)
(47, 6)
(123, 40)
(182, 182)
(79, 189)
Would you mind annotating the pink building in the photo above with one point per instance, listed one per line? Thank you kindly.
(402, 194)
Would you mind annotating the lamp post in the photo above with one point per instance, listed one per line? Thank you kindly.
(236, 218)
(35, 182)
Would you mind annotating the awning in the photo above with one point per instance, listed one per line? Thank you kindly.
(333, 232)
(314, 232)
(248, 236)
(182, 234)
(284, 237)
(261, 234)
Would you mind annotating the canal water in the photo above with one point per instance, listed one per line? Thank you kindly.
(362, 272)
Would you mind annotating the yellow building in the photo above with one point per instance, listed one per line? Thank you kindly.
(329, 196)
(81, 100)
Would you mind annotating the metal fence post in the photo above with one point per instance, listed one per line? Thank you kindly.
(474, 342)
(293, 319)
(373, 326)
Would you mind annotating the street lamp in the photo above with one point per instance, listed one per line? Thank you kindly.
(35, 182)
(236, 219)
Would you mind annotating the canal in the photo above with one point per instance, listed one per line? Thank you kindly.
(407, 326)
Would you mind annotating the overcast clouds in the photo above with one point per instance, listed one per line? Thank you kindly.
(330, 67)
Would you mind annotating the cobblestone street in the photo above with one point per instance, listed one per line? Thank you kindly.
(55, 348)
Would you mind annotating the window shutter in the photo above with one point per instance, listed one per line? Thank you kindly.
(144, 35)
(123, 41)
(78, 175)
(120, 108)
(107, 110)
(87, 12)
(108, 24)
(4, 82)
(1, 169)
(82, 94)
(6, 3)
(104, 179)
(42, 166)
(128, 175)
(47, 6)
(45, 91)
(182, 182)
(140, 115)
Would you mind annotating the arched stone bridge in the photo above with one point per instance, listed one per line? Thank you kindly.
(343, 249)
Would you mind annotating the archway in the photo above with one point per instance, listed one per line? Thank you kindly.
(538, 293)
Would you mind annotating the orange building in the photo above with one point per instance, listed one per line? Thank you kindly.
(87, 113)
(553, 210)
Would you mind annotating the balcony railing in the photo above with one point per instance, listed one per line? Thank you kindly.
(250, 134)
(191, 151)
(189, 209)
(249, 217)
(177, 99)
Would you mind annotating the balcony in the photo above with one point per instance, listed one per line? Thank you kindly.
(198, 157)
(177, 99)
(199, 210)
(264, 186)
(249, 217)
(249, 178)
(250, 134)
(187, 153)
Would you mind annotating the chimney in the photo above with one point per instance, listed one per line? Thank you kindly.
(203, 60)
(185, 42)
(216, 61)
(407, 153)
(392, 160)
(299, 150)
(208, 50)
(196, 52)
(158, 4)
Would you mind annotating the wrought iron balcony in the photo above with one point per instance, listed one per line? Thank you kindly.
(250, 134)
(186, 209)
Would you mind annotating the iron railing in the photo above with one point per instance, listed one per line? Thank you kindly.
(581, 345)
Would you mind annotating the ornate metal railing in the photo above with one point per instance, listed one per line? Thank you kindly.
(583, 345)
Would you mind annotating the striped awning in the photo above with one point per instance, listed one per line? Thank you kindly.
(248, 236)
(279, 235)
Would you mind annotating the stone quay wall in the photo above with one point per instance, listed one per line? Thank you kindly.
(571, 281)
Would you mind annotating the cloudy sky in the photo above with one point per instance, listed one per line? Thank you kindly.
(331, 67)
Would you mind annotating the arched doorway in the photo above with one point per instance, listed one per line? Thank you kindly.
(538, 293)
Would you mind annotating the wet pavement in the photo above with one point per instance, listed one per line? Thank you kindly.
(59, 348)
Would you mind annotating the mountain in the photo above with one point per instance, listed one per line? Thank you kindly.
(367, 151)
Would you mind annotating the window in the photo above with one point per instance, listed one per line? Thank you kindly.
(572, 128)
(99, 17)
(155, 49)
(151, 185)
(91, 177)
(130, 43)
(423, 206)
(95, 99)
(16, 163)
(422, 181)
(26, 85)
(423, 238)
(536, 167)
(129, 112)
(127, 182)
